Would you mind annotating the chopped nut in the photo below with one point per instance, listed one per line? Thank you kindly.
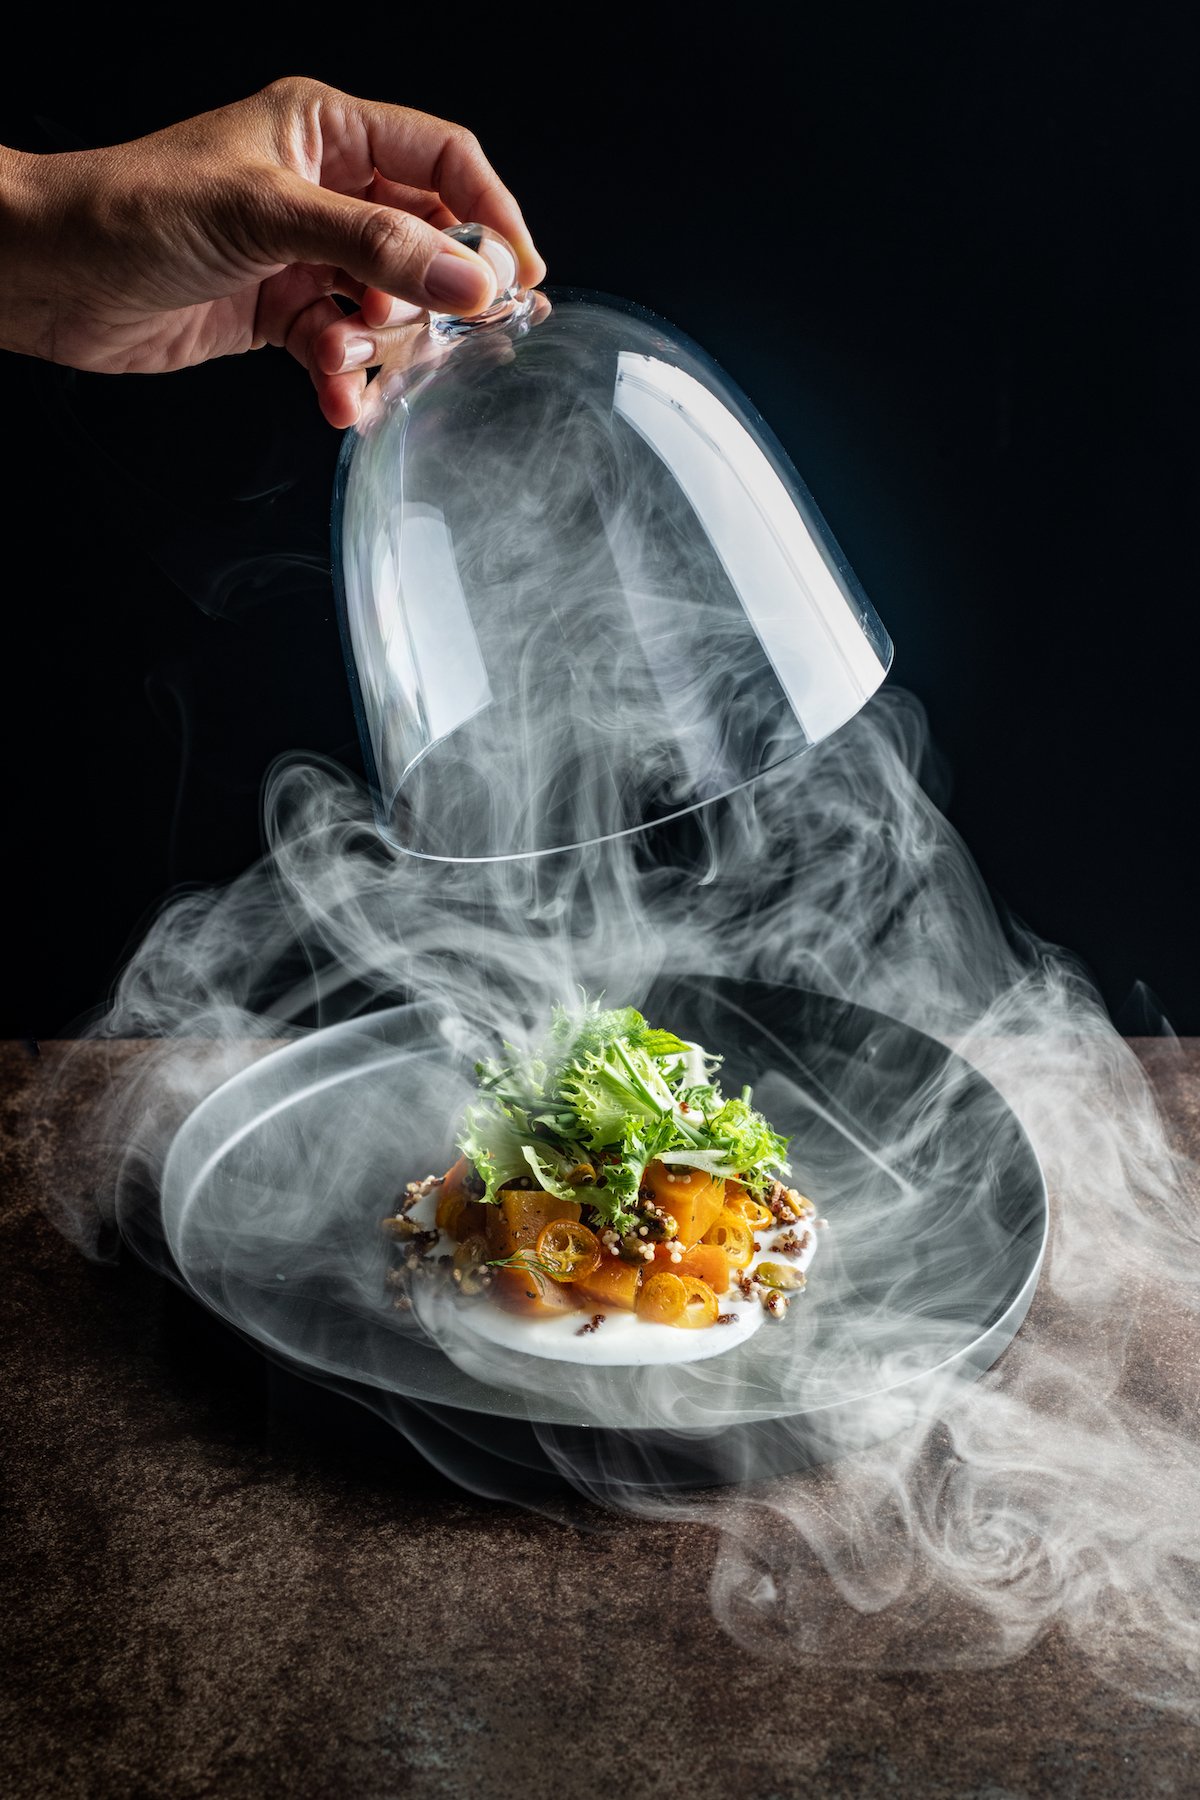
(779, 1201)
(398, 1228)
(790, 1244)
(416, 1190)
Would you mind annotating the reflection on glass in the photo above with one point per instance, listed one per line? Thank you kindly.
(815, 643)
(434, 648)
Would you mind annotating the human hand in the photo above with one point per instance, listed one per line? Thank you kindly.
(236, 229)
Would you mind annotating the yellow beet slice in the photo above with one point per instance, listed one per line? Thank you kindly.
(458, 1211)
(692, 1198)
(613, 1283)
(532, 1294)
(521, 1216)
(707, 1262)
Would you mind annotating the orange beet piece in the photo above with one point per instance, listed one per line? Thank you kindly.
(529, 1292)
(457, 1212)
(707, 1262)
(521, 1216)
(613, 1283)
(692, 1198)
(461, 1217)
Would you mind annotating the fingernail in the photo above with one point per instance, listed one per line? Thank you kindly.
(453, 281)
(356, 351)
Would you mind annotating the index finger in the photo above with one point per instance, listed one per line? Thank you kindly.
(419, 151)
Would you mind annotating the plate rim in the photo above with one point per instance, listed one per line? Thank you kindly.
(990, 1341)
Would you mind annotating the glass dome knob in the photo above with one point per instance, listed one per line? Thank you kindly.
(511, 302)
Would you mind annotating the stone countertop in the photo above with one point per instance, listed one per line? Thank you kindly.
(210, 1589)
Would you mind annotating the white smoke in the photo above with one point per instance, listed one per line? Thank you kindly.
(950, 1524)
(884, 1500)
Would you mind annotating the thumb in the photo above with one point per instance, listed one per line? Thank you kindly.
(379, 246)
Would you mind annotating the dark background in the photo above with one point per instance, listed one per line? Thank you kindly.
(946, 251)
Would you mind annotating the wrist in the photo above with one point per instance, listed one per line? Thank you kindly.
(27, 251)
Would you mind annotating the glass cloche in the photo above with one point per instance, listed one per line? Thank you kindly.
(582, 589)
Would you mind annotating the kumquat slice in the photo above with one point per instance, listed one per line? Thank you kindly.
(744, 1206)
(701, 1306)
(567, 1250)
(662, 1299)
(734, 1237)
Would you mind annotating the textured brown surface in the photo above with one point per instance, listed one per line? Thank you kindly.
(202, 1598)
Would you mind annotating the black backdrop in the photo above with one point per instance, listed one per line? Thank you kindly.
(945, 249)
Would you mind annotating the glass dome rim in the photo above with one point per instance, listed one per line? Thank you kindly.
(641, 826)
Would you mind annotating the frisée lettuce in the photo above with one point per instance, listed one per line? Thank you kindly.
(603, 1095)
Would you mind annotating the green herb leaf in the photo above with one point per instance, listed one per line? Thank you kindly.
(606, 1088)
